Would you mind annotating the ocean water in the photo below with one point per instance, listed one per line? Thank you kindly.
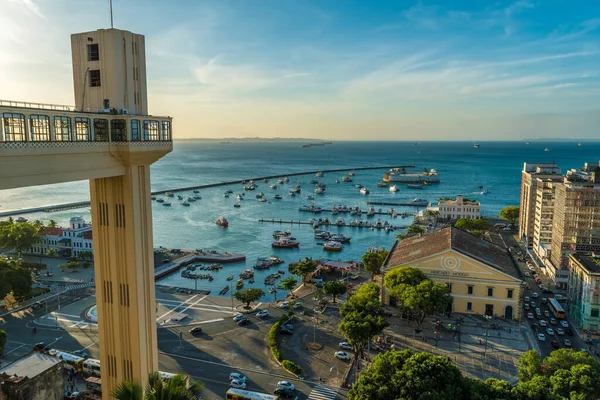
(462, 168)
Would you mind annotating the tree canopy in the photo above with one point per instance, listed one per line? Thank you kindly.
(303, 268)
(249, 295)
(19, 235)
(510, 213)
(334, 288)
(3, 338)
(373, 261)
(419, 295)
(175, 388)
(288, 283)
(409, 375)
(469, 224)
(14, 278)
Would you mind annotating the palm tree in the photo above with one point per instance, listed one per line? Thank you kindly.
(157, 388)
(52, 223)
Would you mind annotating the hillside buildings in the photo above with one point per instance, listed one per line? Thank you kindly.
(458, 208)
(66, 242)
(482, 277)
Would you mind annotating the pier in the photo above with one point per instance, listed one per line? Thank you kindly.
(364, 212)
(197, 256)
(82, 204)
(291, 222)
(386, 203)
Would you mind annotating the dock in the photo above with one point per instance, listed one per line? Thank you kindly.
(83, 204)
(199, 256)
(291, 222)
(364, 212)
(386, 203)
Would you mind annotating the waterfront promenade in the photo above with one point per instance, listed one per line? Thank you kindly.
(83, 204)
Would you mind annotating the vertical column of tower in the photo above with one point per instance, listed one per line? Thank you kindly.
(124, 271)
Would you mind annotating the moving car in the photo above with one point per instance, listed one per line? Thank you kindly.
(567, 343)
(543, 323)
(342, 355)
(535, 295)
(285, 304)
(564, 323)
(546, 313)
(550, 331)
(242, 322)
(530, 315)
(555, 344)
(81, 353)
(560, 331)
(239, 317)
(262, 314)
(237, 384)
(236, 376)
(288, 326)
(298, 305)
(541, 337)
(345, 346)
(285, 385)
(195, 330)
(552, 321)
(284, 393)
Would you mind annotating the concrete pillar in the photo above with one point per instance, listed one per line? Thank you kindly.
(124, 273)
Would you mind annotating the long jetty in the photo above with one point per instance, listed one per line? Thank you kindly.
(292, 222)
(386, 203)
(363, 212)
(83, 204)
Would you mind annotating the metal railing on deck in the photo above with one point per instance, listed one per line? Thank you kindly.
(42, 106)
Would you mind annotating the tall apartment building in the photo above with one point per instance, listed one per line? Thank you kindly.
(576, 222)
(584, 292)
(530, 176)
(543, 218)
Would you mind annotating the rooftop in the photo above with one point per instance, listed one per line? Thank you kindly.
(451, 238)
(29, 366)
(591, 264)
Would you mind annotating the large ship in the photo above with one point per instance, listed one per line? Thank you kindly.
(400, 175)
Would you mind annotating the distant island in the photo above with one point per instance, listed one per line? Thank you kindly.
(253, 139)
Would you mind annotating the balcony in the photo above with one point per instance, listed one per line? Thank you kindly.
(69, 144)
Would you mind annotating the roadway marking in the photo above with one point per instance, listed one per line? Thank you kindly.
(192, 304)
(174, 308)
(15, 349)
(90, 345)
(66, 315)
(179, 302)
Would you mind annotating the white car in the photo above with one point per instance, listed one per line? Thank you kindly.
(560, 332)
(567, 343)
(550, 331)
(345, 346)
(262, 314)
(239, 317)
(298, 305)
(535, 295)
(527, 274)
(530, 315)
(236, 376)
(342, 355)
(237, 384)
(285, 304)
(527, 299)
(541, 337)
(285, 385)
(564, 323)
(552, 321)
(543, 323)
(531, 268)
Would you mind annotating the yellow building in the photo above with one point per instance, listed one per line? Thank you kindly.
(482, 276)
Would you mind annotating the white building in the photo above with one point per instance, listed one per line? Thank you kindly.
(66, 242)
(459, 208)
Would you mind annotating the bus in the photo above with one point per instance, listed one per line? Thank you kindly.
(556, 308)
(70, 361)
(91, 367)
(239, 394)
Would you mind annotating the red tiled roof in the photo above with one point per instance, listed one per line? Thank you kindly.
(53, 231)
(451, 238)
(87, 235)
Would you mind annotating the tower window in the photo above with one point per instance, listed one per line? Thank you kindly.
(93, 53)
(95, 78)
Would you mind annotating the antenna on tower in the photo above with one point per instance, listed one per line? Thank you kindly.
(111, 15)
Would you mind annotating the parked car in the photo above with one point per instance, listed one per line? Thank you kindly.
(285, 385)
(535, 295)
(564, 323)
(345, 346)
(239, 317)
(285, 304)
(543, 323)
(555, 344)
(527, 299)
(262, 314)
(567, 343)
(342, 355)
(195, 330)
(541, 337)
(237, 384)
(236, 376)
(298, 305)
(530, 315)
(526, 306)
(286, 331)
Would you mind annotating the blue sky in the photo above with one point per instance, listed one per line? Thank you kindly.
(475, 70)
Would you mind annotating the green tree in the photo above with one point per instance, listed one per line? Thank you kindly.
(510, 213)
(431, 213)
(72, 265)
(3, 338)
(334, 288)
(409, 375)
(249, 295)
(303, 268)
(401, 236)
(538, 388)
(86, 254)
(51, 253)
(418, 294)
(19, 235)
(415, 230)
(52, 223)
(530, 365)
(373, 261)
(288, 283)
(469, 224)
(157, 388)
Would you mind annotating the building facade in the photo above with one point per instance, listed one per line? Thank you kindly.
(458, 208)
(66, 242)
(584, 291)
(34, 377)
(529, 184)
(482, 276)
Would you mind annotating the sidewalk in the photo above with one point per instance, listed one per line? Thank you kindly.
(61, 275)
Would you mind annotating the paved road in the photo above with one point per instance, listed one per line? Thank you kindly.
(182, 355)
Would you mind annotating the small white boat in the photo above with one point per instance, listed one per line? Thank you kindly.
(273, 186)
(364, 190)
(484, 191)
(309, 198)
(169, 194)
(320, 174)
(292, 193)
(226, 195)
(351, 173)
(319, 190)
(239, 197)
(546, 149)
(393, 188)
(346, 179)
(333, 246)
(197, 197)
(286, 179)
(262, 200)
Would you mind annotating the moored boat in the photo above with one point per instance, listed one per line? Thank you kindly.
(333, 246)
(414, 186)
(393, 189)
(185, 204)
(285, 243)
(364, 191)
(222, 221)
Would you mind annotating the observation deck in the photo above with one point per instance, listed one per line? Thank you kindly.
(48, 143)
